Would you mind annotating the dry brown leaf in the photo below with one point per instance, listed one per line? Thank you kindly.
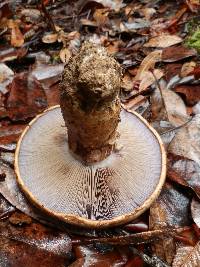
(163, 41)
(187, 68)
(187, 256)
(176, 109)
(147, 78)
(113, 47)
(190, 92)
(176, 53)
(27, 97)
(148, 63)
(65, 55)
(50, 38)
(17, 38)
(101, 16)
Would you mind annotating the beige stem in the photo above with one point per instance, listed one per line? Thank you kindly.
(90, 103)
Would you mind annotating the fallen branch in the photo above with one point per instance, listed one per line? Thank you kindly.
(133, 239)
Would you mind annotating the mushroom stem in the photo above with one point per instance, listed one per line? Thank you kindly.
(90, 102)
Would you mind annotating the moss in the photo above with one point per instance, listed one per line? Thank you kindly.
(193, 40)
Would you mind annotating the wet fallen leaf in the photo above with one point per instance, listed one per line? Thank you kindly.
(187, 256)
(163, 41)
(170, 209)
(176, 53)
(33, 245)
(184, 171)
(195, 211)
(26, 98)
(191, 93)
(91, 257)
(65, 55)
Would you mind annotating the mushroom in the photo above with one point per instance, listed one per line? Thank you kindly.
(89, 162)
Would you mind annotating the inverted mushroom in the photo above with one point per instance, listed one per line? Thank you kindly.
(89, 162)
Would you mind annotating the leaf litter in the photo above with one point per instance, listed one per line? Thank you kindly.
(159, 54)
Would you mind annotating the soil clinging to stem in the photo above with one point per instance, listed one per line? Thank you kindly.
(90, 103)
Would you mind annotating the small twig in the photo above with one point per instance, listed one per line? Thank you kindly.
(161, 93)
(152, 261)
(88, 14)
(177, 127)
(48, 17)
(134, 239)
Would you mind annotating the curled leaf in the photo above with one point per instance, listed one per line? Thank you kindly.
(50, 38)
(163, 41)
(148, 62)
(65, 55)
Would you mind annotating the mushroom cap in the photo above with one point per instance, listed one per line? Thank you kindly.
(108, 193)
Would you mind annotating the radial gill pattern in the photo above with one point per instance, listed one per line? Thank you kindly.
(102, 191)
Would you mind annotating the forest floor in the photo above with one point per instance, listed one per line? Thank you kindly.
(158, 44)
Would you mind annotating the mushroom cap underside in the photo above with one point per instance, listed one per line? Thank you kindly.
(111, 192)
